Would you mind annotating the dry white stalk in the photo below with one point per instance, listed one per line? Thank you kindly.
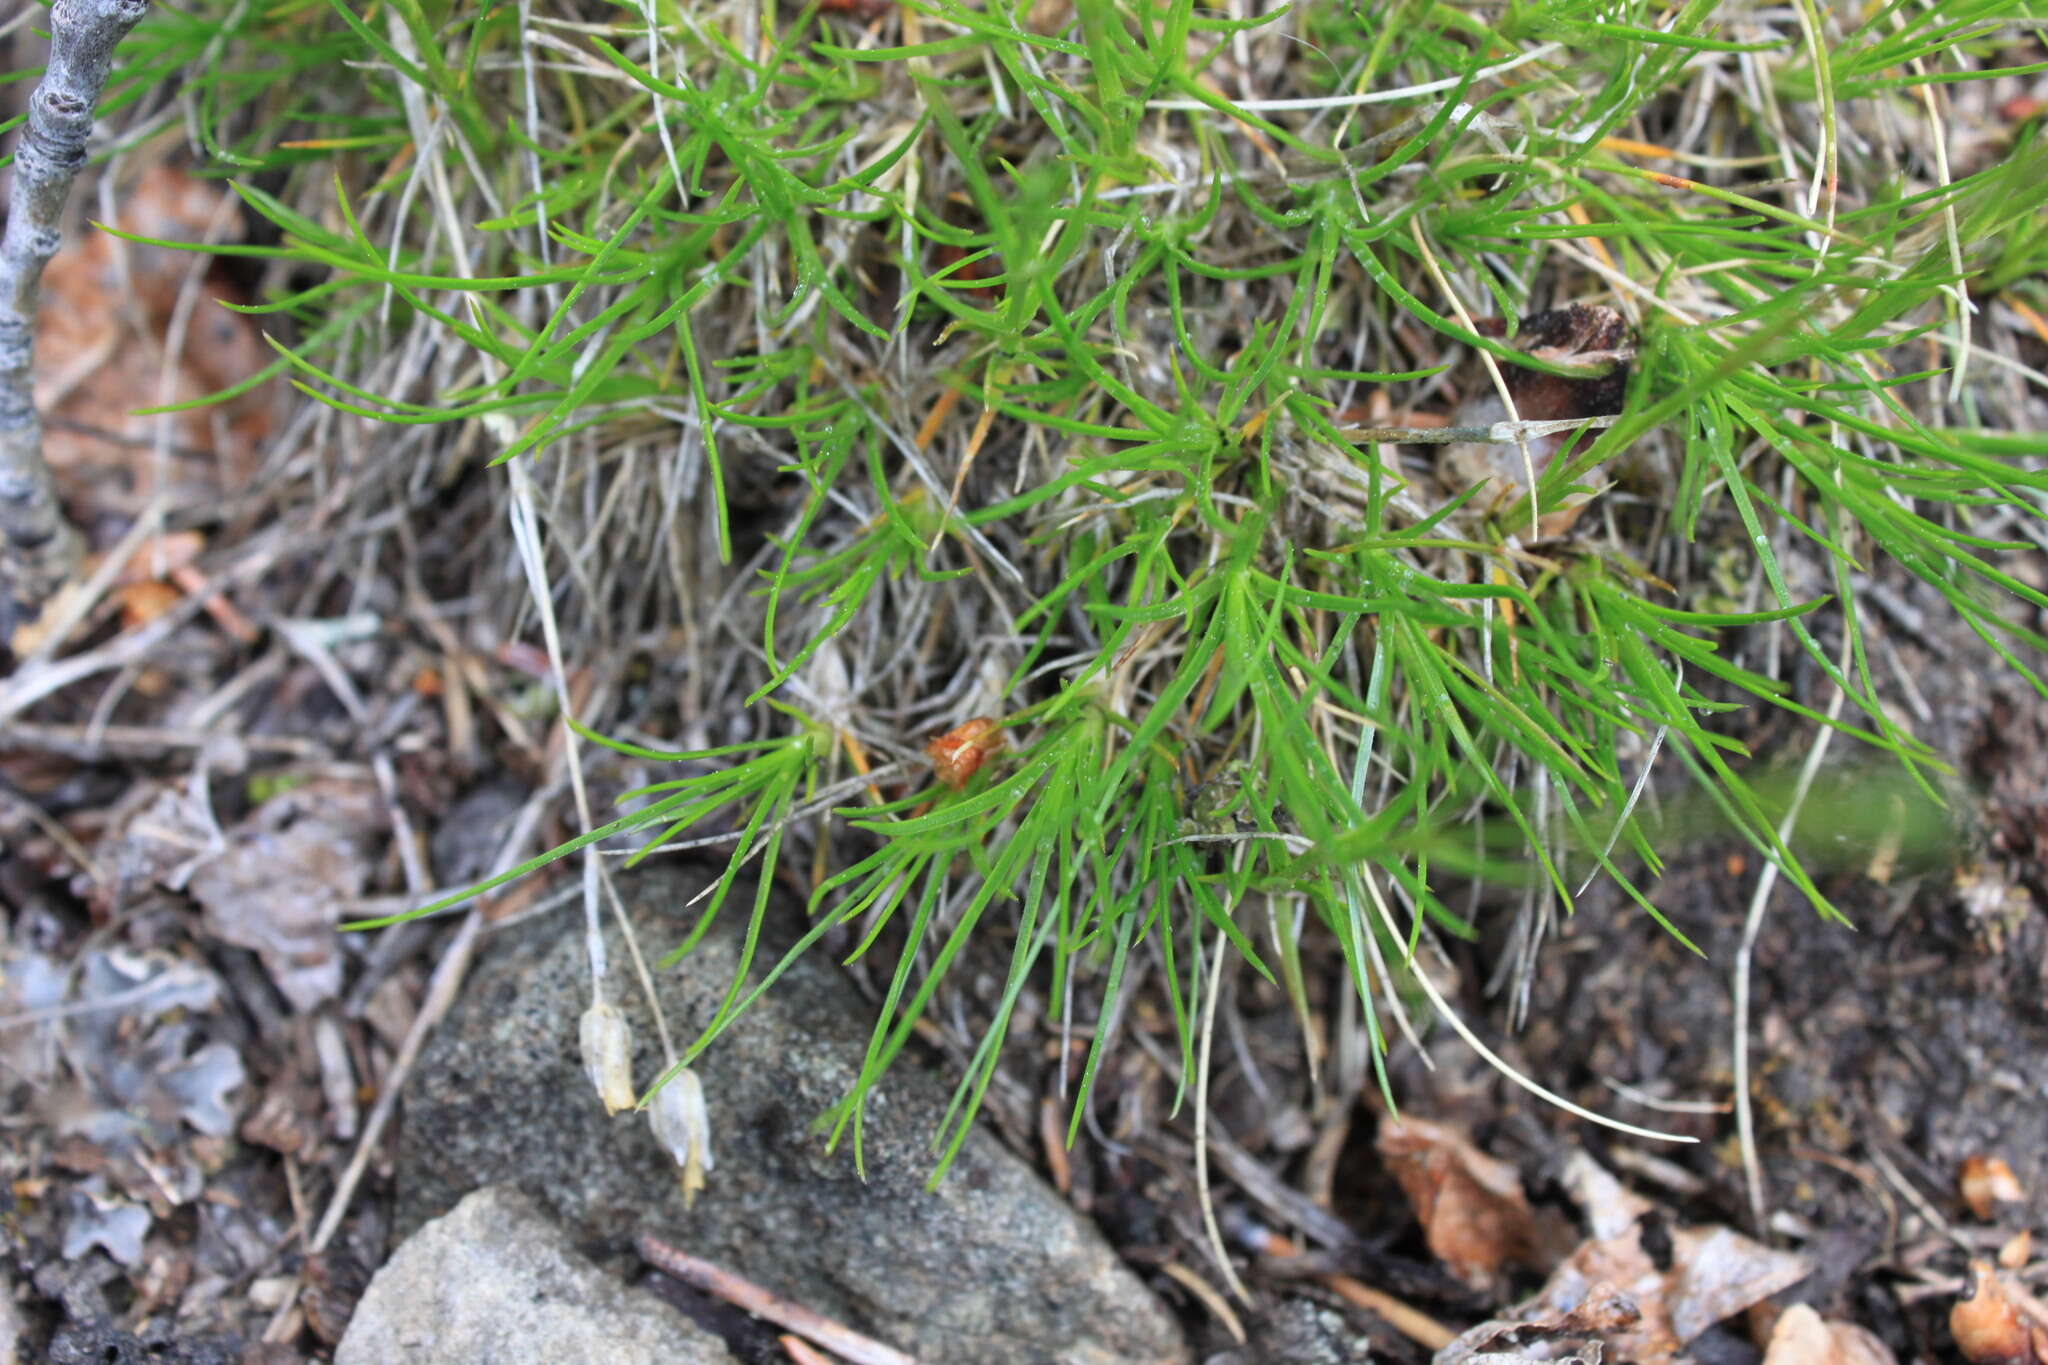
(38, 547)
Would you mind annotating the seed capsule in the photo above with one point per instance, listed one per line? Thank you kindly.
(608, 1056)
(682, 1124)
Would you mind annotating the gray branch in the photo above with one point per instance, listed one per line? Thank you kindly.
(38, 547)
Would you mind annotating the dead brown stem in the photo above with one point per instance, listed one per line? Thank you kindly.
(762, 1303)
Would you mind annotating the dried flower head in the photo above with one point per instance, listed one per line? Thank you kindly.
(956, 754)
(682, 1124)
(608, 1055)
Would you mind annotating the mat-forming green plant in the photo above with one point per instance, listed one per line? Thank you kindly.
(1055, 323)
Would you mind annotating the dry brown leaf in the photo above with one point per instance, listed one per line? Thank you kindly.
(1681, 1280)
(143, 602)
(1986, 1182)
(287, 1118)
(1577, 334)
(1474, 1215)
(101, 354)
(1803, 1337)
(159, 556)
(334, 1284)
(1581, 1331)
(1987, 1325)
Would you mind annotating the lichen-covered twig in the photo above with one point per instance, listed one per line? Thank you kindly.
(38, 548)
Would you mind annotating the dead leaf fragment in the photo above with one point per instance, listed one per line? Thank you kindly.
(1579, 1332)
(1803, 1337)
(160, 556)
(282, 884)
(1987, 1325)
(286, 1119)
(334, 1284)
(157, 834)
(109, 310)
(1474, 1215)
(1704, 1275)
(1682, 1280)
(1578, 334)
(1986, 1182)
(144, 602)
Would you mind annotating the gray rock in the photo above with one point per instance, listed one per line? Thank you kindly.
(991, 1268)
(497, 1283)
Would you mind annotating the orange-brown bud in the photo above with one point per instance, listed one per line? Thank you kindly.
(956, 754)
